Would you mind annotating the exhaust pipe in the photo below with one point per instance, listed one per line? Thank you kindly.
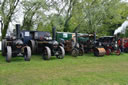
(94, 36)
(18, 31)
(117, 36)
(76, 38)
(54, 33)
(94, 39)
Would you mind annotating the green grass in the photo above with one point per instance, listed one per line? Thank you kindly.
(83, 70)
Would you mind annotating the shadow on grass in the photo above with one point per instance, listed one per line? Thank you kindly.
(39, 56)
(17, 59)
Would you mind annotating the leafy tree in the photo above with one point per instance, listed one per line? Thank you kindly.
(33, 13)
(8, 9)
(116, 15)
(63, 13)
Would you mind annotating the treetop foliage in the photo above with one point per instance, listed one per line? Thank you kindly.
(87, 16)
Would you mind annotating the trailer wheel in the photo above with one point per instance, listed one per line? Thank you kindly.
(118, 52)
(9, 54)
(27, 53)
(61, 52)
(81, 51)
(74, 52)
(4, 45)
(108, 51)
(47, 53)
(32, 45)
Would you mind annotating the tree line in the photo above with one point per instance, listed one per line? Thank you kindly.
(88, 16)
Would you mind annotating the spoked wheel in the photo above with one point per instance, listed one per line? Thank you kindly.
(108, 51)
(47, 53)
(27, 53)
(81, 52)
(61, 52)
(32, 45)
(74, 52)
(4, 45)
(118, 52)
(9, 54)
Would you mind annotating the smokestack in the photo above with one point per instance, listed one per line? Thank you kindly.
(94, 36)
(54, 33)
(76, 36)
(94, 39)
(18, 31)
(117, 36)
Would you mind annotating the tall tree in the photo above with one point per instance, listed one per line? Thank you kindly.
(94, 12)
(33, 11)
(62, 11)
(8, 9)
(115, 17)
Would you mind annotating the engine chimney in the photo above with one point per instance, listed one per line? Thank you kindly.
(54, 33)
(94, 36)
(76, 37)
(18, 31)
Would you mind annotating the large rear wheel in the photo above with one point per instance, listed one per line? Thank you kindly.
(61, 52)
(9, 54)
(47, 53)
(32, 45)
(4, 45)
(27, 53)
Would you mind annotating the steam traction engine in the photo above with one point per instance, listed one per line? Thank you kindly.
(43, 43)
(14, 46)
(70, 43)
(89, 44)
(111, 44)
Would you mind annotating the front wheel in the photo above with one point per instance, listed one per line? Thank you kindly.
(61, 52)
(32, 45)
(27, 53)
(47, 53)
(9, 54)
(74, 52)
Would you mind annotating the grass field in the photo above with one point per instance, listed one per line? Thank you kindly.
(83, 70)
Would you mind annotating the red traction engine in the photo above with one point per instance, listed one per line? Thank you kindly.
(111, 44)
